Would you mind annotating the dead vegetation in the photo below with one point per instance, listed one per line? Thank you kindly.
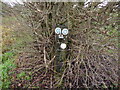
(92, 59)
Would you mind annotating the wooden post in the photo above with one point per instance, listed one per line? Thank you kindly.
(60, 47)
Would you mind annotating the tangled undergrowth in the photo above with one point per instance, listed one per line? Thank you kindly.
(92, 60)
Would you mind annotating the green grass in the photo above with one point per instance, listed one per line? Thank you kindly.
(8, 64)
(11, 50)
(5, 67)
(23, 76)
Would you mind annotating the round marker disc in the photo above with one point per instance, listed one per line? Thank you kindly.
(65, 31)
(58, 30)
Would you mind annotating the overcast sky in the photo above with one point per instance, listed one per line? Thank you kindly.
(12, 1)
(20, 1)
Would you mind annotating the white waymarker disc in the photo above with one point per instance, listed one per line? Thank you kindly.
(63, 45)
(58, 30)
(65, 31)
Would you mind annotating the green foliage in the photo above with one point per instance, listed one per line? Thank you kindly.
(24, 76)
(13, 41)
(28, 78)
(5, 67)
(7, 56)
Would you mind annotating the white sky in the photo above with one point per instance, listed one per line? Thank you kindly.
(12, 1)
(20, 1)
